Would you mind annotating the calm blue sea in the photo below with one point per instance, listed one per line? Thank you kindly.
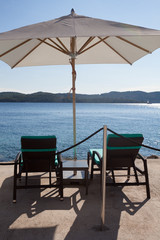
(17, 119)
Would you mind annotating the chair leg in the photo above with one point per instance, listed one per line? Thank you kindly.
(59, 174)
(15, 183)
(113, 176)
(61, 190)
(50, 176)
(61, 185)
(86, 180)
(26, 179)
(147, 179)
(92, 168)
(14, 190)
(88, 159)
(128, 174)
(135, 172)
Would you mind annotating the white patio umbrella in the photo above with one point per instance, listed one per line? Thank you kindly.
(75, 39)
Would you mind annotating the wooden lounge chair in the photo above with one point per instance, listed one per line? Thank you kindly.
(121, 155)
(38, 155)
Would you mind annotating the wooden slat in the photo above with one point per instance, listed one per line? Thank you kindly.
(15, 47)
(62, 44)
(102, 39)
(85, 44)
(133, 44)
(116, 52)
(51, 45)
(28, 54)
(59, 48)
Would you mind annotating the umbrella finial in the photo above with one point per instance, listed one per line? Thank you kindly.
(72, 12)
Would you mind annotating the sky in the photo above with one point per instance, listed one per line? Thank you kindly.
(143, 75)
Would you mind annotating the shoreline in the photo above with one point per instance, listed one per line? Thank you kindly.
(110, 97)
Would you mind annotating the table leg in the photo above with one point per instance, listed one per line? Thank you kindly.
(86, 177)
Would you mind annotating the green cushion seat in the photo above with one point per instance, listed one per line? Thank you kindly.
(117, 147)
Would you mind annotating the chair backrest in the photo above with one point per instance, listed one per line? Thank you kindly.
(38, 153)
(121, 152)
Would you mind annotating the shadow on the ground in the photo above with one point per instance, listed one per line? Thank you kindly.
(87, 225)
(31, 202)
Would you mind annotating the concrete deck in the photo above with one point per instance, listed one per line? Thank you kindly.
(39, 214)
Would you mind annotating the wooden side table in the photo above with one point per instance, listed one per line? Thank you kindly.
(76, 166)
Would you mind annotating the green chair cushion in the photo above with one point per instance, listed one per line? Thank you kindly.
(40, 150)
(38, 137)
(56, 161)
(96, 159)
(134, 135)
(100, 151)
(124, 135)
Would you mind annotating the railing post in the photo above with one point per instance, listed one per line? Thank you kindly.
(104, 164)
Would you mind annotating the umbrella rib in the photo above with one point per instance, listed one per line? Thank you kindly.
(101, 40)
(62, 45)
(133, 44)
(28, 54)
(19, 45)
(90, 39)
(59, 48)
(49, 44)
(116, 52)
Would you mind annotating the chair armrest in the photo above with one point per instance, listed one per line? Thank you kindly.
(98, 155)
(59, 157)
(141, 157)
(18, 158)
(17, 161)
(144, 163)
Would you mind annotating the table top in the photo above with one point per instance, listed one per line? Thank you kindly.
(75, 164)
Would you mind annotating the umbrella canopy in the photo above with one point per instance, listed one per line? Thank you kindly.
(89, 40)
(76, 39)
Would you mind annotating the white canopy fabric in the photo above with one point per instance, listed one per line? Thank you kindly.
(96, 42)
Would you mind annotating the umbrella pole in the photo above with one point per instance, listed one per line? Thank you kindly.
(72, 62)
(74, 104)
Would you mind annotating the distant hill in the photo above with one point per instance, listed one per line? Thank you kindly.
(111, 97)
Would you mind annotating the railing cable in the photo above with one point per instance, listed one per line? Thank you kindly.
(65, 150)
(85, 139)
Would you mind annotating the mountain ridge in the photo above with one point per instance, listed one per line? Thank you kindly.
(111, 97)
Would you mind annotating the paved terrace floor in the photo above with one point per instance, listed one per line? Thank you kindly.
(39, 214)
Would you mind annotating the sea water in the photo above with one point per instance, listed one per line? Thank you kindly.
(19, 119)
